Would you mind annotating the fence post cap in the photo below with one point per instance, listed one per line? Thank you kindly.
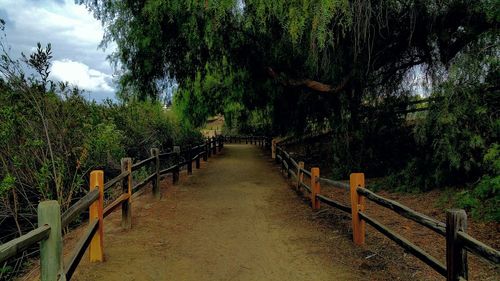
(97, 172)
(48, 203)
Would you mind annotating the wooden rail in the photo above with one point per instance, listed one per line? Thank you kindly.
(18, 245)
(51, 221)
(404, 211)
(458, 242)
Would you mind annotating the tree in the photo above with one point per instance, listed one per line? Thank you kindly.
(256, 51)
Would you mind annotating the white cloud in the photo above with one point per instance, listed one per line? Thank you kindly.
(81, 75)
(75, 36)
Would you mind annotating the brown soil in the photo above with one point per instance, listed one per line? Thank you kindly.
(233, 220)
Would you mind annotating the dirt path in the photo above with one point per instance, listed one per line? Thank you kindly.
(235, 219)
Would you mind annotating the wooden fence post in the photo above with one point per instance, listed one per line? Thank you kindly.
(205, 152)
(96, 247)
(175, 174)
(456, 255)
(273, 149)
(300, 174)
(197, 152)
(155, 152)
(189, 157)
(288, 174)
(126, 164)
(315, 188)
(51, 258)
(283, 160)
(246, 140)
(214, 146)
(209, 149)
(357, 204)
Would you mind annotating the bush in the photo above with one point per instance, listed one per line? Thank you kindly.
(51, 138)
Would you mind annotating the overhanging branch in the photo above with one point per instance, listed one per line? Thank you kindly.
(311, 84)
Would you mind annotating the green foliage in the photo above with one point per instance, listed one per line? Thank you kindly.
(483, 200)
(310, 66)
(51, 137)
(6, 184)
(103, 144)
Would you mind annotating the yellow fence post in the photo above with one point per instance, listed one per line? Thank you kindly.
(315, 189)
(96, 248)
(300, 174)
(357, 204)
(126, 164)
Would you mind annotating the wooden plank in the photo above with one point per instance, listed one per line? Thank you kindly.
(81, 205)
(115, 204)
(142, 163)
(76, 256)
(479, 248)
(18, 245)
(333, 203)
(407, 245)
(116, 179)
(337, 184)
(404, 211)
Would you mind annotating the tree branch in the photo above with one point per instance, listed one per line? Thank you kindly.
(311, 84)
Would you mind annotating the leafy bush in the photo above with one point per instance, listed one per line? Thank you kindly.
(483, 200)
(51, 137)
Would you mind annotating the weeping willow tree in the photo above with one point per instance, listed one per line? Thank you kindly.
(258, 53)
(312, 65)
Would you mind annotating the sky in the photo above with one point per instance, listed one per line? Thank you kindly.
(75, 37)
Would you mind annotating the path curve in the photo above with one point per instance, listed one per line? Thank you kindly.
(234, 219)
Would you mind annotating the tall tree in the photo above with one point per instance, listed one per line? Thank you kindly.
(253, 52)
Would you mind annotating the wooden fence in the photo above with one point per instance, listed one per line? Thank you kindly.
(458, 242)
(51, 221)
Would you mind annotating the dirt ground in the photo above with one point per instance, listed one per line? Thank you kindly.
(237, 219)
(234, 219)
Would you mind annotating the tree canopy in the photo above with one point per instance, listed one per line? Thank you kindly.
(350, 67)
(233, 54)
